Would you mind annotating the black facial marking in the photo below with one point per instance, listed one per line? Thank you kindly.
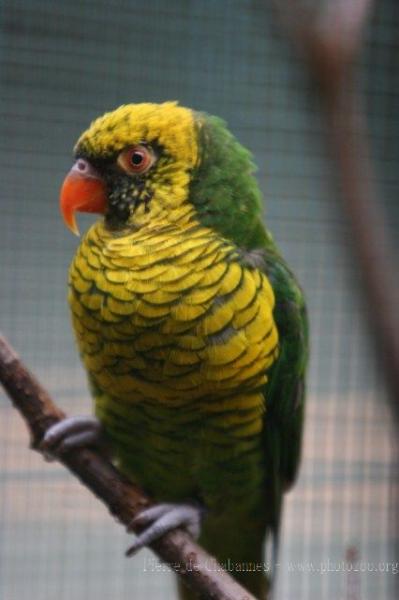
(126, 195)
(146, 200)
(125, 192)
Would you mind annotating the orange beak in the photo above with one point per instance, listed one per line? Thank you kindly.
(83, 190)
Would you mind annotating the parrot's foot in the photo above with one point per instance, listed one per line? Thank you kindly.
(71, 433)
(161, 518)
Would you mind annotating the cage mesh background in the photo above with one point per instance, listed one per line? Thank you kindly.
(62, 64)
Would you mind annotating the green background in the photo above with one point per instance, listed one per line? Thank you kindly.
(62, 64)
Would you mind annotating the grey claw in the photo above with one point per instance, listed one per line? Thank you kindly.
(72, 432)
(162, 518)
(147, 516)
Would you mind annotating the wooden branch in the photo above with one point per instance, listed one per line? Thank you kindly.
(197, 569)
(330, 42)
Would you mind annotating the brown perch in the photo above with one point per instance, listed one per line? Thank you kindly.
(194, 566)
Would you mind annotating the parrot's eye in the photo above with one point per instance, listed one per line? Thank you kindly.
(137, 159)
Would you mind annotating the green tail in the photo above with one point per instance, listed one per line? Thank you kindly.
(239, 548)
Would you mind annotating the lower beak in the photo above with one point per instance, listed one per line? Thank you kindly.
(83, 190)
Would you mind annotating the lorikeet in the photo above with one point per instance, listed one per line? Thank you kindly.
(191, 326)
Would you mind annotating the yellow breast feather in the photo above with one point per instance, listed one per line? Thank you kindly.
(171, 318)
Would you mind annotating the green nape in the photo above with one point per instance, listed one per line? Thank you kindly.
(223, 188)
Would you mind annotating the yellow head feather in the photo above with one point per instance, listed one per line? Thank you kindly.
(171, 125)
(172, 130)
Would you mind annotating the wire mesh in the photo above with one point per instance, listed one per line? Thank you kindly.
(62, 64)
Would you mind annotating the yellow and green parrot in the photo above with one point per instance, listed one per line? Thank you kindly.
(191, 327)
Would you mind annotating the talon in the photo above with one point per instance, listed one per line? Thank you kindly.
(150, 514)
(161, 519)
(70, 433)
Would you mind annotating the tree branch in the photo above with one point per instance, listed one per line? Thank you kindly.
(197, 569)
(330, 41)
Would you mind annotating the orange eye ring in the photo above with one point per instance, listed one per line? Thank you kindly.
(136, 159)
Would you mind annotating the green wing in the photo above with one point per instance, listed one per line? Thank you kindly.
(285, 390)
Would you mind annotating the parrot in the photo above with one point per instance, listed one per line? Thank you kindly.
(192, 328)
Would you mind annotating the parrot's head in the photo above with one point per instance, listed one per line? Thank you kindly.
(162, 164)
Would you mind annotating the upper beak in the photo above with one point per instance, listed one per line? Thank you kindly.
(83, 190)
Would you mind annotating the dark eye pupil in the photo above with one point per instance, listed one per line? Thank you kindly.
(137, 158)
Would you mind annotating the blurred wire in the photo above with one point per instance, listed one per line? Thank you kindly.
(331, 40)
